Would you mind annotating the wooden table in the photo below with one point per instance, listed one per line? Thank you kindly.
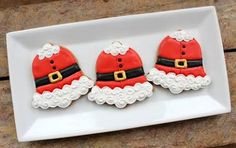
(202, 132)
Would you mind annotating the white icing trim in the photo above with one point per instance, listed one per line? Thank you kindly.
(120, 97)
(181, 36)
(116, 48)
(62, 97)
(177, 83)
(47, 51)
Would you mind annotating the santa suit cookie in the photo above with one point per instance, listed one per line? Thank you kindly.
(179, 64)
(120, 77)
(58, 78)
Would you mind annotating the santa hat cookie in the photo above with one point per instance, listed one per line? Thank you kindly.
(120, 77)
(179, 64)
(58, 78)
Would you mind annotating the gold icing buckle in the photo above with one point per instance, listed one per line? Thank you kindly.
(119, 75)
(181, 63)
(55, 77)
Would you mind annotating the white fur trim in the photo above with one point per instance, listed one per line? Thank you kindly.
(121, 97)
(48, 50)
(182, 36)
(63, 97)
(177, 83)
(116, 48)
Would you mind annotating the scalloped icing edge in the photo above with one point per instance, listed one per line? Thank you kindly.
(177, 83)
(47, 51)
(62, 97)
(116, 48)
(182, 35)
(121, 97)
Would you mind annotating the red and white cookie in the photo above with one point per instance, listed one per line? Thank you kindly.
(179, 64)
(58, 78)
(120, 77)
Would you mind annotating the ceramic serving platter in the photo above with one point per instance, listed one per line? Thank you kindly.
(86, 40)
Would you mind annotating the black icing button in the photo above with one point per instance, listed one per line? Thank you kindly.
(119, 59)
(54, 67)
(183, 53)
(51, 61)
(120, 65)
(183, 46)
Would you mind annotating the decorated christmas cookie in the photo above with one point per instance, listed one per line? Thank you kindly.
(179, 64)
(120, 77)
(58, 78)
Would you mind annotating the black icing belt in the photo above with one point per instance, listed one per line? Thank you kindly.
(132, 73)
(64, 72)
(171, 63)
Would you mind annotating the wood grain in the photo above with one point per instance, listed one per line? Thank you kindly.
(202, 132)
(14, 3)
(57, 12)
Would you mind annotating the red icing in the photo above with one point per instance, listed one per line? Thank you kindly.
(196, 71)
(107, 63)
(172, 49)
(61, 60)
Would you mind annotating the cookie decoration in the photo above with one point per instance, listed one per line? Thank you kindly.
(120, 77)
(179, 64)
(58, 78)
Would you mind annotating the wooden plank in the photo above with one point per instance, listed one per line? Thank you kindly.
(202, 132)
(57, 12)
(14, 3)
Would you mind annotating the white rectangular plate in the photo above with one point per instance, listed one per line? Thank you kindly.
(86, 39)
